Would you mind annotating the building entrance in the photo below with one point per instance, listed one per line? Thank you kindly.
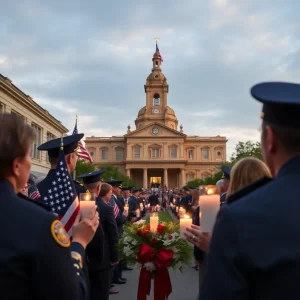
(155, 182)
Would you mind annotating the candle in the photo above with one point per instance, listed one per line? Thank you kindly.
(126, 210)
(137, 213)
(153, 222)
(141, 207)
(185, 223)
(181, 212)
(176, 208)
(209, 203)
(87, 202)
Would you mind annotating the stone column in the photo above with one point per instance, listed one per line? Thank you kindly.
(128, 173)
(183, 179)
(181, 150)
(145, 179)
(166, 177)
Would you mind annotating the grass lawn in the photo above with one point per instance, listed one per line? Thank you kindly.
(163, 216)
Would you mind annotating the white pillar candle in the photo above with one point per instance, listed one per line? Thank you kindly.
(185, 223)
(141, 207)
(137, 213)
(153, 222)
(209, 207)
(126, 210)
(87, 202)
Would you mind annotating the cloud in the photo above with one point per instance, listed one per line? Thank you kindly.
(93, 60)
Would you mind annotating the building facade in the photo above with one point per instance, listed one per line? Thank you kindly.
(156, 152)
(14, 101)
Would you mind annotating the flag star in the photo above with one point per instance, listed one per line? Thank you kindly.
(69, 183)
(66, 170)
(59, 208)
(64, 179)
(63, 174)
(58, 179)
(70, 188)
(55, 189)
(71, 194)
(51, 197)
(52, 203)
(62, 192)
(57, 173)
(60, 186)
(45, 198)
(68, 197)
(64, 205)
(61, 163)
(49, 191)
(54, 183)
(62, 169)
(63, 199)
(53, 209)
(56, 195)
(65, 185)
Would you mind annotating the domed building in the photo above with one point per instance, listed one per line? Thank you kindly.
(156, 152)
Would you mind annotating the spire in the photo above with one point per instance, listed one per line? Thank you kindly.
(157, 58)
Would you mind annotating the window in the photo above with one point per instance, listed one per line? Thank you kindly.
(137, 152)
(92, 154)
(103, 154)
(155, 153)
(190, 177)
(50, 137)
(205, 153)
(173, 152)
(1, 107)
(119, 154)
(190, 154)
(219, 153)
(37, 141)
(156, 100)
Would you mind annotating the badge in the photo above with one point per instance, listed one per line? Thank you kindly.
(59, 234)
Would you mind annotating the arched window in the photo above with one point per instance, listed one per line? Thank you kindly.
(156, 99)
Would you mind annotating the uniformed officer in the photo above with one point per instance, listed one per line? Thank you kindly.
(37, 260)
(71, 147)
(93, 181)
(226, 178)
(133, 204)
(255, 249)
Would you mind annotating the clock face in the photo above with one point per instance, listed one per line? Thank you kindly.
(156, 111)
(155, 130)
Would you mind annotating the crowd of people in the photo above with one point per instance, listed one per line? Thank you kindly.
(252, 253)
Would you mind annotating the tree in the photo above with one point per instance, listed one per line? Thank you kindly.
(83, 167)
(113, 172)
(246, 149)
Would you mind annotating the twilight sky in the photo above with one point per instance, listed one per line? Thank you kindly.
(92, 59)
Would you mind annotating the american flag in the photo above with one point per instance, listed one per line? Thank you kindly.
(59, 194)
(158, 53)
(33, 192)
(83, 152)
(113, 203)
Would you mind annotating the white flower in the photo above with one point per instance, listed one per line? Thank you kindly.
(175, 234)
(150, 266)
(140, 222)
(127, 251)
(134, 242)
(127, 239)
(167, 242)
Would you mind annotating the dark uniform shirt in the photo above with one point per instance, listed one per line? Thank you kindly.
(35, 259)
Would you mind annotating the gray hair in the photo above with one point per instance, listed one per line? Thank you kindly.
(220, 183)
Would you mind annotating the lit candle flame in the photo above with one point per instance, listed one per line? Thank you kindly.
(186, 217)
(210, 191)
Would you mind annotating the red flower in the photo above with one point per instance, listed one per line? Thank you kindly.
(140, 232)
(163, 258)
(160, 228)
(147, 228)
(146, 254)
(154, 240)
(146, 234)
(170, 237)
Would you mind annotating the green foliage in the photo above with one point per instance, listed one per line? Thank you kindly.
(83, 167)
(242, 149)
(113, 172)
(246, 149)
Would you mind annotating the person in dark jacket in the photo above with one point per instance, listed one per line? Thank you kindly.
(37, 260)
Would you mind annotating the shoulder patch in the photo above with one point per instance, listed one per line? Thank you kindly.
(59, 234)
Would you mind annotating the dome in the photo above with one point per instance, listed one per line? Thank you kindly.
(142, 111)
(156, 76)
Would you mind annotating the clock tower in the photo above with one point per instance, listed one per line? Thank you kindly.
(156, 89)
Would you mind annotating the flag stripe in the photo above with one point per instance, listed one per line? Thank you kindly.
(71, 220)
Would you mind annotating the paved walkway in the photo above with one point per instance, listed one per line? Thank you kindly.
(185, 285)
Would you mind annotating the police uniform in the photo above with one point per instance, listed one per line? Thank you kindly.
(255, 247)
(95, 249)
(226, 175)
(36, 259)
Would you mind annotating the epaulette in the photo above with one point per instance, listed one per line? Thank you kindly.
(78, 182)
(36, 202)
(248, 189)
